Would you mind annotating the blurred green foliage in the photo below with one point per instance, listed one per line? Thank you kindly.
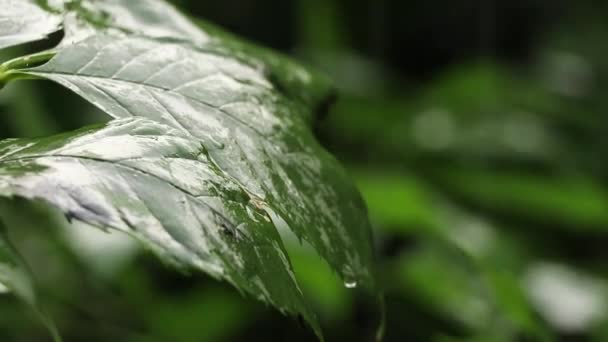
(476, 133)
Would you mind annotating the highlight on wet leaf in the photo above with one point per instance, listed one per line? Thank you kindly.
(209, 154)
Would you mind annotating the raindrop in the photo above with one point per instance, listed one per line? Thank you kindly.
(350, 284)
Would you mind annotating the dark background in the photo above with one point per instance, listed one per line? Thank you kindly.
(476, 131)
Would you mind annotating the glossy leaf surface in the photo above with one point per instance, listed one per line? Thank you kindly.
(256, 136)
(211, 151)
(157, 184)
(23, 21)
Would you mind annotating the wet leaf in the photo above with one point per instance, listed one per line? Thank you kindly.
(157, 184)
(211, 150)
(255, 134)
(152, 18)
(23, 21)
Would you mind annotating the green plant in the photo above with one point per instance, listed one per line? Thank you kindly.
(208, 156)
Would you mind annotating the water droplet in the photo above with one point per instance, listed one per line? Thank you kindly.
(350, 284)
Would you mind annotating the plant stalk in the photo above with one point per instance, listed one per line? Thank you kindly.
(9, 70)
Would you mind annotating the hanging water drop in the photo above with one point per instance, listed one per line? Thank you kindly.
(350, 284)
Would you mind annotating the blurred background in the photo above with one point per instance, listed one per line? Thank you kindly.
(476, 131)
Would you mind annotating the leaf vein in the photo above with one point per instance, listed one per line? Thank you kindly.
(228, 114)
(128, 167)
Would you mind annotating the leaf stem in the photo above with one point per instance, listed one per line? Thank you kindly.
(9, 69)
(28, 61)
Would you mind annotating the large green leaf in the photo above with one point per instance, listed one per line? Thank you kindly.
(211, 151)
(159, 20)
(256, 135)
(23, 21)
(159, 185)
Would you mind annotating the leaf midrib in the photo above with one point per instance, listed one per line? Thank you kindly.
(168, 90)
(130, 168)
(234, 179)
(197, 198)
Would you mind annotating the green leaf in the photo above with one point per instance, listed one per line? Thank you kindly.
(159, 20)
(256, 135)
(16, 277)
(153, 18)
(210, 153)
(570, 202)
(159, 185)
(23, 21)
(398, 203)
